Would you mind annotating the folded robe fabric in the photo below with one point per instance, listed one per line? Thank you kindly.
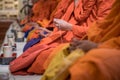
(58, 68)
(108, 28)
(57, 13)
(113, 43)
(37, 67)
(97, 64)
(33, 34)
(26, 59)
(43, 8)
(40, 60)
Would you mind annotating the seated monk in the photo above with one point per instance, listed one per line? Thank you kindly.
(63, 27)
(41, 10)
(79, 24)
(101, 63)
(57, 13)
(97, 62)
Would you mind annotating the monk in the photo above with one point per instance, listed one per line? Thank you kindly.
(63, 28)
(78, 25)
(102, 63)
(57, 13)
(41, 10)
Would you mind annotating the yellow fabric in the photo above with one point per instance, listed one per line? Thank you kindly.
(58, 68)
(54, 53)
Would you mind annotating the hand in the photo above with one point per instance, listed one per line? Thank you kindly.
(85, 45)
(62, 25)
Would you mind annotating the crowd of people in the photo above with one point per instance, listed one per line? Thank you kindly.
(71, 40)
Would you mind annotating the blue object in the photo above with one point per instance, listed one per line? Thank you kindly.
(31, 43)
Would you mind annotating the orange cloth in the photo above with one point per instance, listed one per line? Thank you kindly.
(97, 64)
(27, 27)
(108, 28)
(113, 43)
(26, 59)
(101, 64)
(43, 8)
(33, 34)
(57, 13)
(39, 62)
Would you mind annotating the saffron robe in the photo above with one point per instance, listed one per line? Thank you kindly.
(43, 8)
(57, 13)
(100, 64)
(108, 28)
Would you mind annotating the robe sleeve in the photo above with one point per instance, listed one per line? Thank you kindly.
(85, 10)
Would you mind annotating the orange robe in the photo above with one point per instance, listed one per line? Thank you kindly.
(101, 63)
(97, 64)
(80, 21)
(57, 13)
(106, 29)
(43, 8)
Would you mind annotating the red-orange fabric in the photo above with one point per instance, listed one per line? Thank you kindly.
(26, 59)
(39, 62)
(43, 8)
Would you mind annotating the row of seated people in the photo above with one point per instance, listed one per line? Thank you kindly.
(63, 54)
